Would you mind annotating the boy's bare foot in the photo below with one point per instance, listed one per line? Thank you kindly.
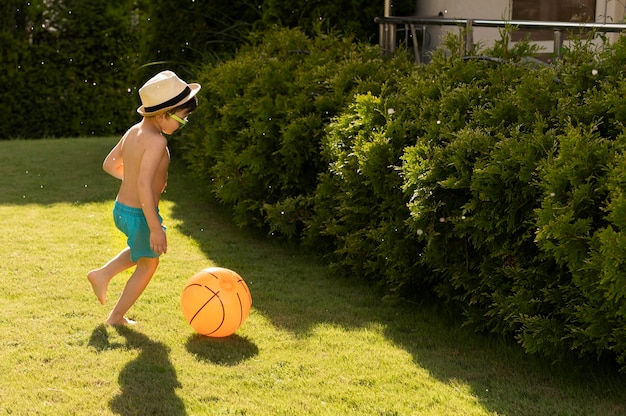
(123, 321)
(99, 284)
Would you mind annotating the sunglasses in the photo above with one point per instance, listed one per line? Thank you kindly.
(182, 121)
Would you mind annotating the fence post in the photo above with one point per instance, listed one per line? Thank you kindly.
(558, 43)
(469, 35)
(388, 32)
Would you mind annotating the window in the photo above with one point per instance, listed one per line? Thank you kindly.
(560, 11)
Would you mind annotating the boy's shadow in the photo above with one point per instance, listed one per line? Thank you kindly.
(148, 382)
(227, 351)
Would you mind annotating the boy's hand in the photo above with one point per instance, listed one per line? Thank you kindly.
(158, 241)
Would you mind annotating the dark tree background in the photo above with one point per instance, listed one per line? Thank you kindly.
(72, 67)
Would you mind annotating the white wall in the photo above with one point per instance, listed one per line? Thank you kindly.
(607, 11)
(465, 9)
(610, 11)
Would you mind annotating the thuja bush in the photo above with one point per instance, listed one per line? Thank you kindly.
(264, 113)
(496, 182)
(517, 206)
(360, 208)
(580, 217)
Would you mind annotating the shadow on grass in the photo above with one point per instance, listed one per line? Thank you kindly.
(227, 351)
(148, 383)
(288, 287)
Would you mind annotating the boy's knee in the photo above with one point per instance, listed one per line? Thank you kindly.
(148, 262)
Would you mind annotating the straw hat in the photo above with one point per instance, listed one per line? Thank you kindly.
(163, 92)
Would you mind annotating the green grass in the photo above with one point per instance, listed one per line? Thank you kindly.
(314, 343)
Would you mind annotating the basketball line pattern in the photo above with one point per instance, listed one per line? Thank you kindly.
(240, 309)
(206, 303)
(215, 294)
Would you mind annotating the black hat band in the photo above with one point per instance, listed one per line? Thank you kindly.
(168, 103)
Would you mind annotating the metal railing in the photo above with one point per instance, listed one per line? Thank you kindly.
(389, 24)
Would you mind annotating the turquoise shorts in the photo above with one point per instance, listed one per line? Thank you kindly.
(132, 222)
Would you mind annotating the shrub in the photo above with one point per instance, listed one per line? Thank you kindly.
(72, 71)
(360, 207)
(181, 36)
(72, 67)
(516, 204)
(263, 115)
(513, 181)
(494, 182)
(355, 17)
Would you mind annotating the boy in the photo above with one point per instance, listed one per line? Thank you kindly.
(140, 160)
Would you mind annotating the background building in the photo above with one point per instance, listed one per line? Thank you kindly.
(600, 11)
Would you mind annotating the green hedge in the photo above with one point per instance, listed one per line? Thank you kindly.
(72, 68)
(69, 69)
(257, 137)
(514, 184)
(495, 182)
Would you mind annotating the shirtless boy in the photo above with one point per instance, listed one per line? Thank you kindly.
(140, 160)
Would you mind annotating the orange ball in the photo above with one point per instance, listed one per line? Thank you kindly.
(216, 302)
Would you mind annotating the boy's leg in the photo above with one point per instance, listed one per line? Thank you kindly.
(99, 278)
(134, 287)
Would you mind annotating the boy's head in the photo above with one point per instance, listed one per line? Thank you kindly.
(165, 92)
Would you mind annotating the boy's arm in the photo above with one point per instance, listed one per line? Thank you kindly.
(114, 163)
(150, 161)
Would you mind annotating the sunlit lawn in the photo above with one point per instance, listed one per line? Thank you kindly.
(314, 343)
